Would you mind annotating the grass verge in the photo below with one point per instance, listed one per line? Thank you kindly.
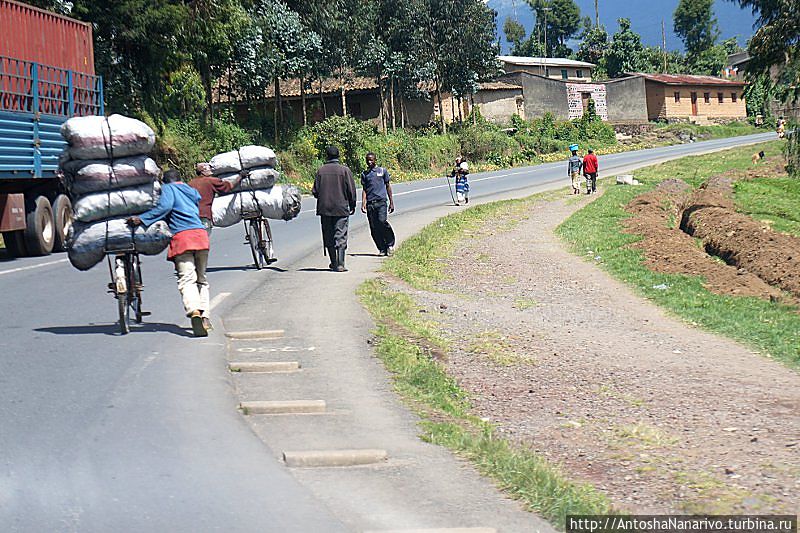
(445, 410)
(768, 327)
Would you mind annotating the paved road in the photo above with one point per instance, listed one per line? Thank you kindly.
(101, 432)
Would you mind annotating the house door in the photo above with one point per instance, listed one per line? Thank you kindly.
(585, 97)
(694, 104)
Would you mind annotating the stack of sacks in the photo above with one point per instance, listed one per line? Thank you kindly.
(257, 192)
(111, 177)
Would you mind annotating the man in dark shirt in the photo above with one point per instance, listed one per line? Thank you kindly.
(335, 192)
(208, 186)
(376, 190)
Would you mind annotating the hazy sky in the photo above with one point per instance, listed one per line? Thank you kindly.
(645, 17)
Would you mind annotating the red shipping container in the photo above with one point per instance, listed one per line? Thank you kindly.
(33, 34)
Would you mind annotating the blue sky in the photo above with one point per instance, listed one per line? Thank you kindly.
(645, 17)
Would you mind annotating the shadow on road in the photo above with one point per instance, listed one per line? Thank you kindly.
(365, 255)
(243, 269)
(313, 269)
(113, 329)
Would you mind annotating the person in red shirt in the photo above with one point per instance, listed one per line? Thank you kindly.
(209, 186)
(590, 168)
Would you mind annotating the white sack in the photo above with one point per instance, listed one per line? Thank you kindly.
(259, 179)
(87, 241)
(245, 157)
(116, 203)
(278, 203)
(93, 176)
(90, 138)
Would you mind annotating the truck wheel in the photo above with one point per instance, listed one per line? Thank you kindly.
(40, 234)
(62, 215)
(15, 243)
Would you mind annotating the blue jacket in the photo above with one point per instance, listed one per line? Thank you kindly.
(178, 205)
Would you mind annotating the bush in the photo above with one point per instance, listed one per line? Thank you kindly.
(346, 133)
(478, 141)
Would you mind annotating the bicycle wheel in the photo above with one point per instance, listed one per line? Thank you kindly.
(121, 291)
(254, 239)
(124, 313)
(266, 244)
(135, 289)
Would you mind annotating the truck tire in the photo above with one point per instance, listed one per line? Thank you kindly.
(40, 234)
(62, 215)
(15, 243)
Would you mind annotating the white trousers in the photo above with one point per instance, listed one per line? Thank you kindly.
(190, 269)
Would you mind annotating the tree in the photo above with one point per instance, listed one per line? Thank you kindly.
(563, 21)
(594, 44)
(514, 31)
(695, 23)
(625, 53)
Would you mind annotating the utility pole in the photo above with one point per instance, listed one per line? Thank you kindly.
(596, 13)
(545, 10)
(664, 44)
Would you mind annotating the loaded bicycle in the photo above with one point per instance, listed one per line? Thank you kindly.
(258, 235)
(126, 286)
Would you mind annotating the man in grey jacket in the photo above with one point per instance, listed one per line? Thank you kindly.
(335, 192)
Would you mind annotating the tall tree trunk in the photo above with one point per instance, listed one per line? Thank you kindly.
(403, 111)
(460, 106)
(453, 107)
(344, 100)
(303, 97)
(382, 97)
(472, 109)
(391, 98)
(275, 110)
(322, 99)
(441, 110)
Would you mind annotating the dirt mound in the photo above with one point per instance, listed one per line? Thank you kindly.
(744, 242)
(668, 249)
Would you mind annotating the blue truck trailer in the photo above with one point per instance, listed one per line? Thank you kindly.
(38, 93)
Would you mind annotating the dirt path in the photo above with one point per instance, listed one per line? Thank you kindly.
(568, 361)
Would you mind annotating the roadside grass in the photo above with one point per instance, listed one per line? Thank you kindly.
(421, 259)
(767, 327)
(773, 200)
(717, 131)
(447, 421)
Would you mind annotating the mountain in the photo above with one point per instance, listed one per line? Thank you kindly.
(645, 18)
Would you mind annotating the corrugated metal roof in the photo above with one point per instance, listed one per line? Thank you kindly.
(687, 79)
(544, 61)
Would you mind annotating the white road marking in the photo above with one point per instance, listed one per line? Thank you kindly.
(267, 349)
(216, 300)
(31, 267)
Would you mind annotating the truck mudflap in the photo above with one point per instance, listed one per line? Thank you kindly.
(12, 212)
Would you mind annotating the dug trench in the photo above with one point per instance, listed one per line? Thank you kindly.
(699, 232)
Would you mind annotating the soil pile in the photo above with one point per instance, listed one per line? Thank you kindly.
(670, 250)
(700, 233)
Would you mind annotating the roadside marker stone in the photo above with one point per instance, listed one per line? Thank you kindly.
(283, 407)
(256, 334)
(323, 458)
(264, 366)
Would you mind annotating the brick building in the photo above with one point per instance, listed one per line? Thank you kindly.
(693, 98)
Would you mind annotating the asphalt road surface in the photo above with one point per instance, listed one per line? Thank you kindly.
(102, 432)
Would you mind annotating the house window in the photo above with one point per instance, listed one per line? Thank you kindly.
(707, 98)
(720, 97)
(579, 73)
(564, 74)
(677, 96)
(733, 97)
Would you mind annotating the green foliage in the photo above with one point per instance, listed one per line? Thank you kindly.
(594, 43)
(626, 52)
(514, 31)
(772, 199)
(695, 23)
(563, 21)
(348, 134)
(185, 95)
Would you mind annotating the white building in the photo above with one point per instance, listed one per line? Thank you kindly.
(549, 67)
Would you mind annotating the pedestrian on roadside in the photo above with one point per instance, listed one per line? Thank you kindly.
(590, 168)
(335, 192)
(781, 127)
(376, 191)
(188, 249)
(460, 173)
(574, 165)
(209, 186)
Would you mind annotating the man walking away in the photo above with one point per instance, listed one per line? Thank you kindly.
(574, 165)
(208, 186)
(188, 249)
(376, 190)
(335, 192)
(590, 168)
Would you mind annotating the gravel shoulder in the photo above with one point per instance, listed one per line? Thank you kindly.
(571, 363)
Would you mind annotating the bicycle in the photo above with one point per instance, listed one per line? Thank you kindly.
(126, 286)
(258, 235)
